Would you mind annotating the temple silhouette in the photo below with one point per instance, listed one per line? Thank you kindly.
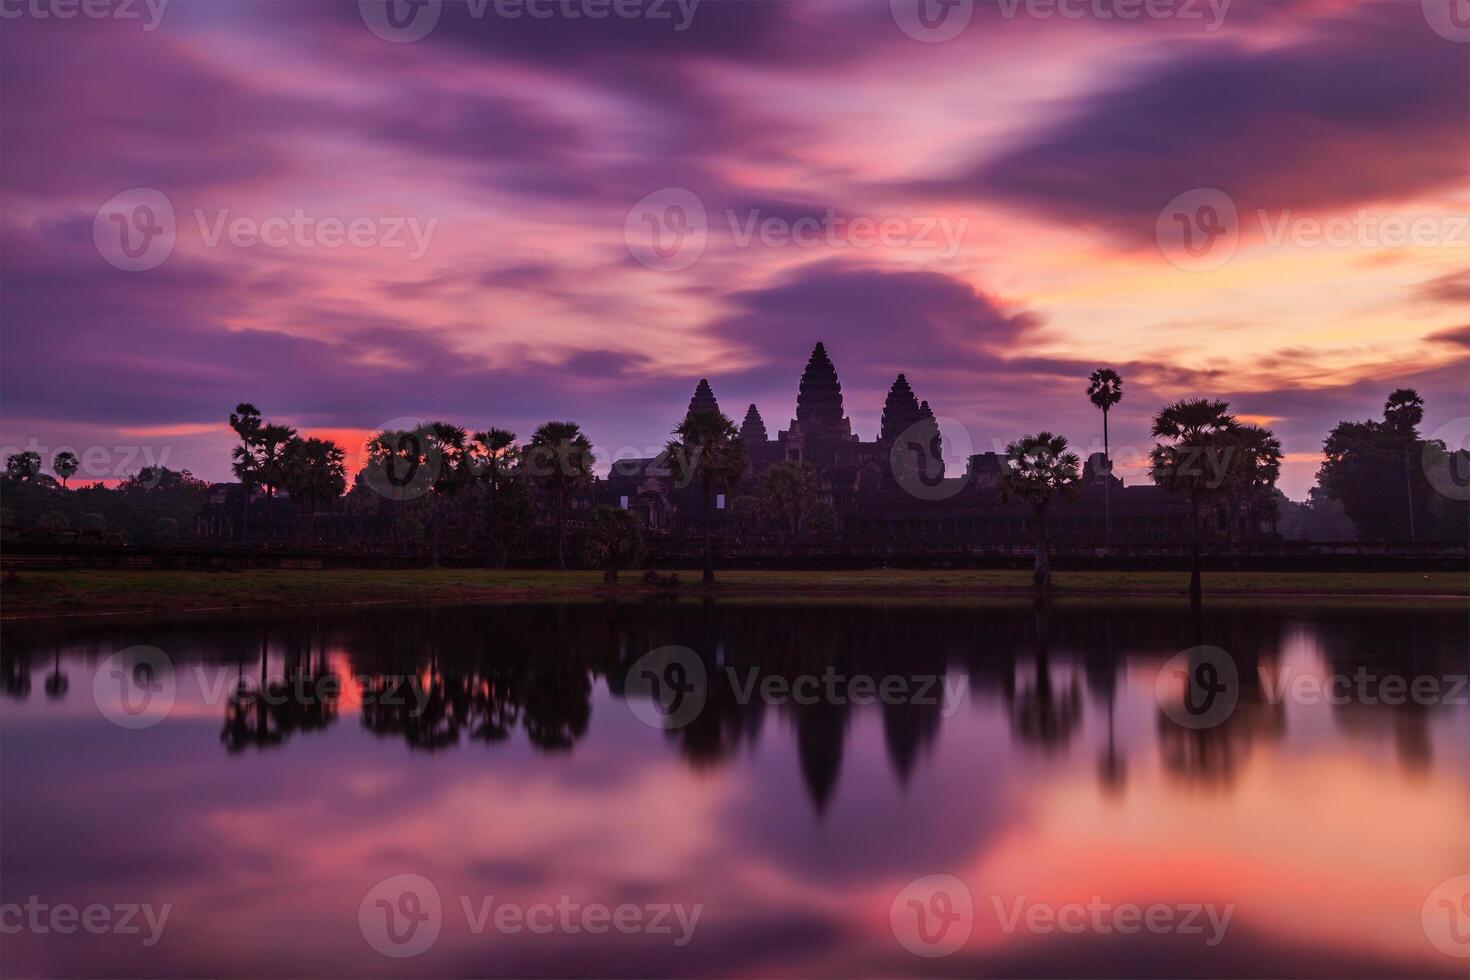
(892, 494)
(896, 486)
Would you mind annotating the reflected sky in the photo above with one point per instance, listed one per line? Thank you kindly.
(1053, 775)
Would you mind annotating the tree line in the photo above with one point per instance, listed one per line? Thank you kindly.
(437, 479)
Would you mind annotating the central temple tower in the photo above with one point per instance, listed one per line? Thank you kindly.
(819, 401)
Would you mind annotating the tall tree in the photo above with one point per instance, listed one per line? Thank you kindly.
(1193, 461)
(455, 472)
(1402, 413)
(1360, 461)
(246, 422)
(786, 494)
(616, 541)
(65, 466)
(559, 460)
(315, 475)
(270, 454)
(1105, 389)
(402, 464)
(1251, 473)
(24, 466)
(707, 447)
(1040, 469)
(507, 510)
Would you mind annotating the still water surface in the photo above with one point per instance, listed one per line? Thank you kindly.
(523, 765)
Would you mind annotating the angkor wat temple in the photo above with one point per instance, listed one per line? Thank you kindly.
(894, 486)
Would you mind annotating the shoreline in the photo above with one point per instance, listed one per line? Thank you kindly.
(41, 595)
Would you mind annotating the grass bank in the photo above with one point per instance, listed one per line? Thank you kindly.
(96, 592)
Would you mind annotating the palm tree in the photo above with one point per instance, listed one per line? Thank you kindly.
(1105, 389)
(1194, 461)
(507, 504)
(1254, 466)
(707, 445)
(1403, 412)
(315, 475)
(1039, 469)
(455, 471)
(64, 466)
(559, 460)
(245, 420)
(270, 453)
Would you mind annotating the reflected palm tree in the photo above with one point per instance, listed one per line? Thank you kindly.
(268, 714)
(15, 676)
(495, 702)
(56, 681)
(492, 674)
(1102, 682)
(1212, 756)
(558, 706)
(1041, 715)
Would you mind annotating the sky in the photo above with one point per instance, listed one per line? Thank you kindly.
(351, 214)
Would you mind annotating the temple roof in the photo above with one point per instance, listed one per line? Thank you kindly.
(900, 410)
(704, 398)
(819, 397)
(753, 429)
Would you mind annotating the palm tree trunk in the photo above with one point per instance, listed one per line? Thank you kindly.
(1409, 489)
(1107, 487)
(709, 558)
(1041, 575)
(270, 497)
(561, 552)
(245, 516)
(1195, 591)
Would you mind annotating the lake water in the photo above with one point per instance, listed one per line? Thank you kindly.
(729, 788)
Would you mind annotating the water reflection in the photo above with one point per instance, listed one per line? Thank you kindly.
(1054, 772)
(437, 678)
